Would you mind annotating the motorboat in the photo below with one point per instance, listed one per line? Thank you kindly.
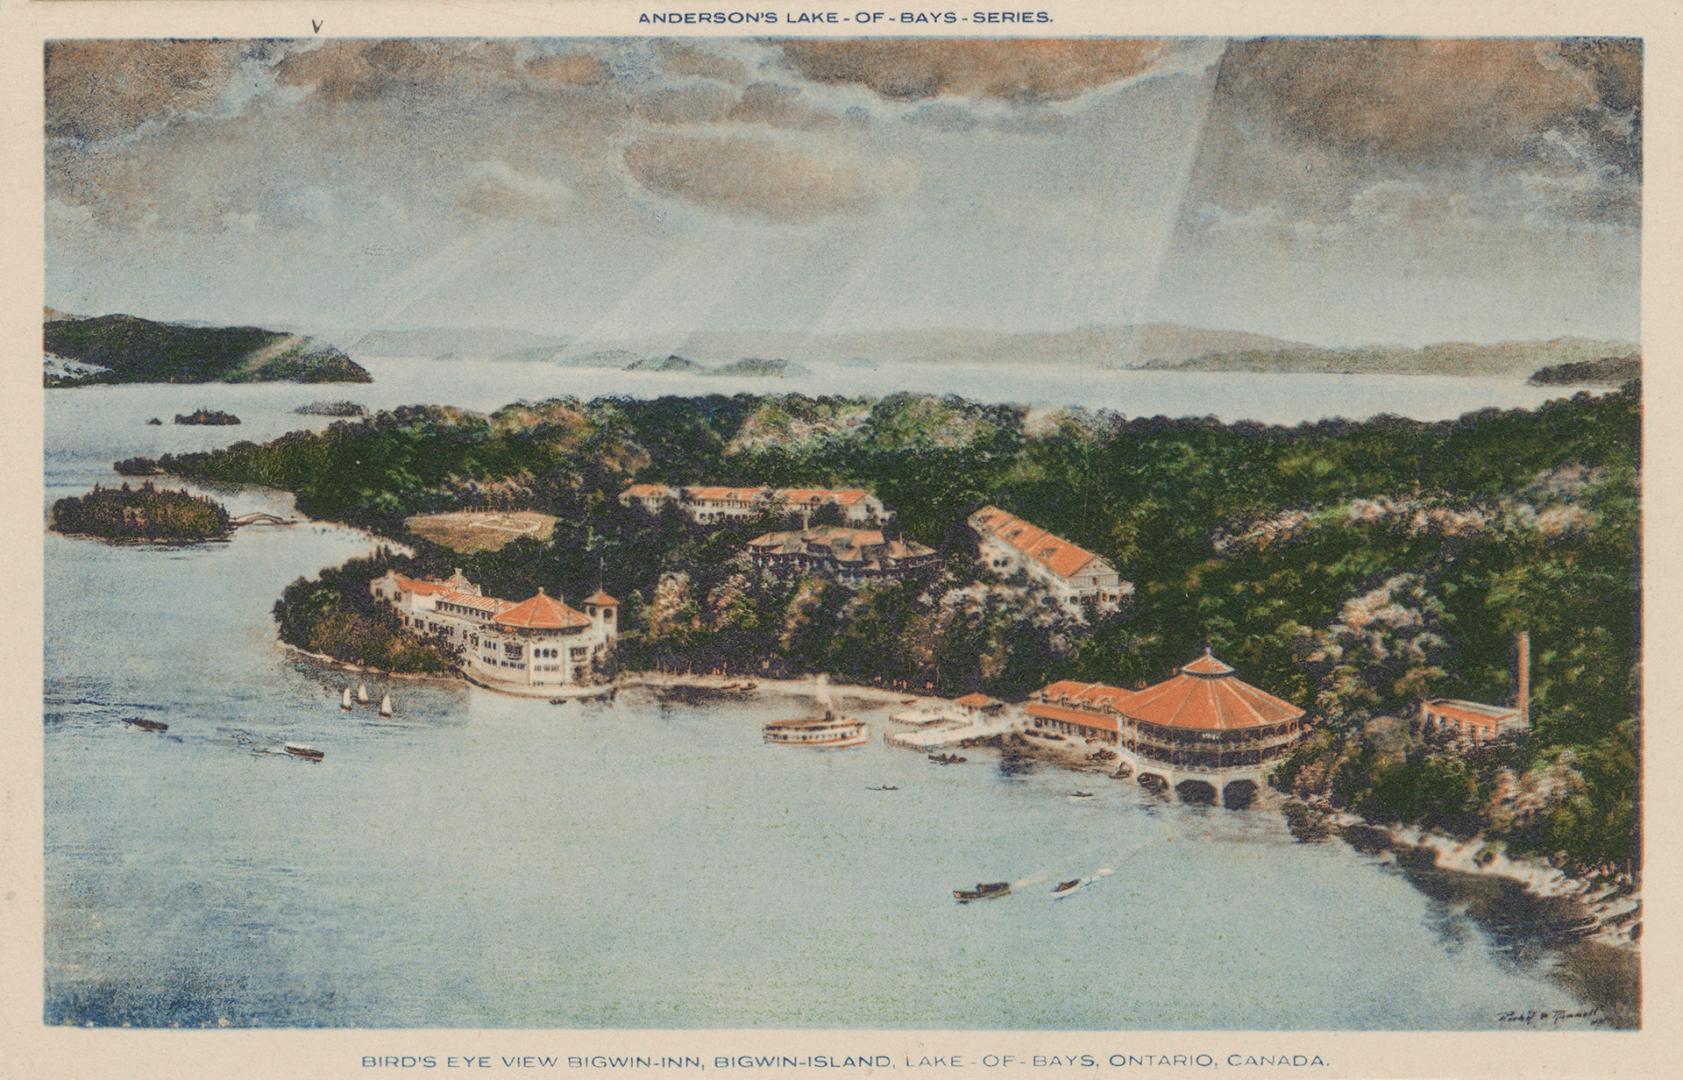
(1067, 886)
(305, 753)
(948, 759)
(883, 787)
(1081, 794)
(982, 891)
(144, 724)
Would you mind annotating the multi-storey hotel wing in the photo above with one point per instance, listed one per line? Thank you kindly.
(1203, 725)
(713, 505)
(850, 556)
(1070, 573)
(537, 642)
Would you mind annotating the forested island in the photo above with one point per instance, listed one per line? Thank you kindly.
(143, 513)
(1605, 371)
(1352, 567)
(126, 349)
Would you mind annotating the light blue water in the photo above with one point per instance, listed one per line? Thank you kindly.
(488, 861)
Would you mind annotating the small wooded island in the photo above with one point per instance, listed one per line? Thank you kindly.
(207, 418)
(146, 513)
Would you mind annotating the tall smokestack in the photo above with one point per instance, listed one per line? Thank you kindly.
(1522, 675)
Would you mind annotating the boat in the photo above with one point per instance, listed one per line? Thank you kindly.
(144, 724)
(386, 706)
(908, 701)
(345, 699)
(982, 891)
(361, 694)
(1081, 794)
(832, 730)
(307, 753)
(749, 687)
(948, 759)
(1067, 886)
(883, 787)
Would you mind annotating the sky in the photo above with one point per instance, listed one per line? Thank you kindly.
(1334, 191)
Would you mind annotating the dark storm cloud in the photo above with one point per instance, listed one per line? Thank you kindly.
(915, 69)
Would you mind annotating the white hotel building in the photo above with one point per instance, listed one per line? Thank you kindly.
(1070, 573)
(537, 642)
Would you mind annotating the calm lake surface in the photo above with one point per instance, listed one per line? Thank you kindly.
(488, 861)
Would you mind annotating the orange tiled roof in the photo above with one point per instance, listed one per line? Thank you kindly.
(1088, 695)
(977, 700)
(1053, 552)
(541, 612)
(739, 494)
(1079, 717)
(1472, 712)
(840, 496)
(643, 491)
(601, 598)
(419, 585)
(488, 604)
(1206, 696)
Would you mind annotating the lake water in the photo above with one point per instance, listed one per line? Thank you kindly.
(488, 861)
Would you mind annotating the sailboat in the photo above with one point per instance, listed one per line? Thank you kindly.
(361, 694)
(386, 706)
(345, 699)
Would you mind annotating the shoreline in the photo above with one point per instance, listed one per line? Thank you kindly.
(1616, 911)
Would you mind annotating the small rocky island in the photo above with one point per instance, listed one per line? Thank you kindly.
(332, 408)
(207, 417)
(146, 513)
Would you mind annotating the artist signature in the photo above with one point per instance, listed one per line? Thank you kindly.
(1548, 1017)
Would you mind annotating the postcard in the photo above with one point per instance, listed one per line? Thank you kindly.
(801, 540)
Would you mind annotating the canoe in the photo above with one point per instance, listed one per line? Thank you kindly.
(306, 753)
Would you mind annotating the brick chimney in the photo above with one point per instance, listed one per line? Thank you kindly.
(1522, 675)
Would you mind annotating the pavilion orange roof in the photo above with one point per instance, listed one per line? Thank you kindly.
(1205, 695)
(541, 612)
(976, 700)
(643, 491)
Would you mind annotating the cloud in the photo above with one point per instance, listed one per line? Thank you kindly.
(499, 192)
(1437, 101)
(690, 61)
(757, 178)
(103, 89)
(1038, 69)
(784, 107)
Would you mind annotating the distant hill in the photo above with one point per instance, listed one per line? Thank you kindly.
(437, 341)
(1448, 358)
(754, 366)
(1607, 371)
(128, 349)
(670, 363)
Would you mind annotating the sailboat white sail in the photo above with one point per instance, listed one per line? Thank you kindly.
(345, 699)
(361, 694)
(386, 705)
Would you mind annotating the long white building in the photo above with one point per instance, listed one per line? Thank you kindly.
(711, 505)
(537, 642)
(1070, 573)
